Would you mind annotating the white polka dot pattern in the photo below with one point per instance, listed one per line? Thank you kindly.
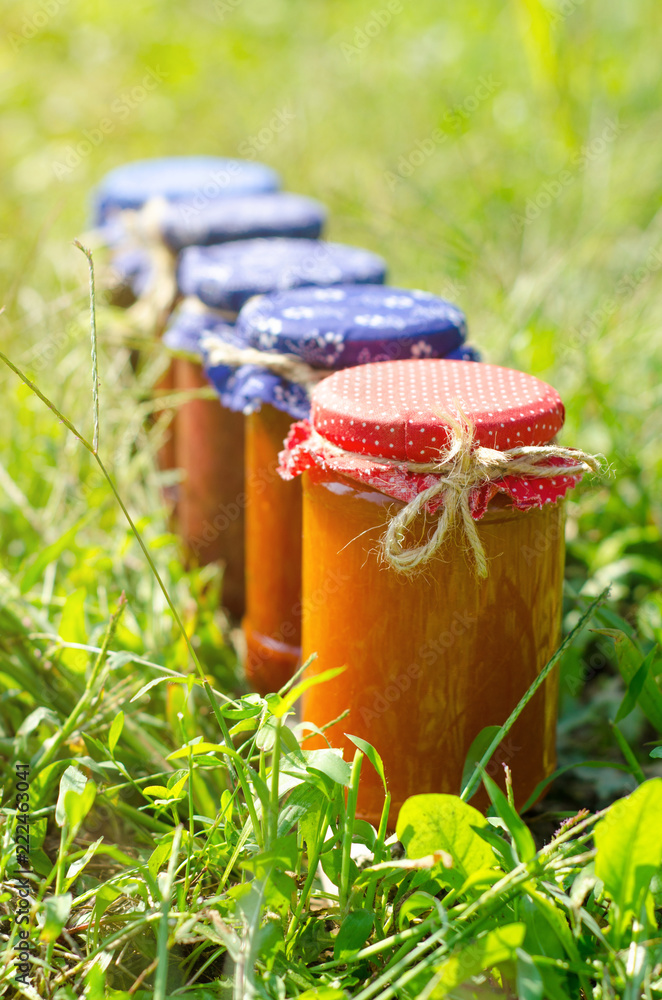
(393, 409)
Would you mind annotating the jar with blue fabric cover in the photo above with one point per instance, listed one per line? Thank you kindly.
(297, 338)
(148, 210)
(216, 282)
(228, 220)
(200, 181)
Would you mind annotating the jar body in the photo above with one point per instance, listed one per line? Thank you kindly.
(209, 448)
(430, 659)
(272, 625)
(167, 453)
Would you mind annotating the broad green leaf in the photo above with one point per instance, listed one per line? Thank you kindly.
(74, 781)
(278, 890)
(104, 897)
(285, 704)
(281, 855)
(429, 823)
(372, 756)
(159, 856)
(115, 731)
(95, 983)
(629, 849)
(522, 839)
(172, 792)
(635, 687)
(656, 752)
(475, 753)
(56, 913)
(76, 867)
(72, 629)
(310, 821)
(34, 719)
(303, 803)
(550, 917)
(323, 993)
(415, 904)
(354, 931)
(500, 845)
(493, 948)
(195, 749)
(329, 763)
(332, 865)
(629, 659)
(529, 980)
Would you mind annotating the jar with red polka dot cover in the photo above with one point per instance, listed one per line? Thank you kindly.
(433, 525)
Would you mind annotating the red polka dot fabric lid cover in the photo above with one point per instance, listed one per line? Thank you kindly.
(394, 410)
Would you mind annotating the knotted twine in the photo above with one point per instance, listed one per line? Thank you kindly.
(462, 467)
(144, 227)
(287, 366)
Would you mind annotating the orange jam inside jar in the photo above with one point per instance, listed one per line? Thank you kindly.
(209, 449)
(209, 452)
(324, 328)
(272, 624)
(435, 653)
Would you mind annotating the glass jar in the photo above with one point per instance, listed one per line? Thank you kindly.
(430, 660)
(217, 280)
(190, 186)
(272, 625)
(441, 631)
(209, 448)
(359, 323)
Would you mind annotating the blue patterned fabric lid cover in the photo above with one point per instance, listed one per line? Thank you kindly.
(334, 327)
(177, 177)
(190, 324)
(226, 276)
(130, 269)
(222, 220)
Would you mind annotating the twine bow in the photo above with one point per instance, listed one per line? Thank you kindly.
(288, 366)
(462, 467)
(144, 227)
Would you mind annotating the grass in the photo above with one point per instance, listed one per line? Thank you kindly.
(502, 154)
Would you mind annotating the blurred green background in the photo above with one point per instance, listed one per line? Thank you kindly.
(505, 155)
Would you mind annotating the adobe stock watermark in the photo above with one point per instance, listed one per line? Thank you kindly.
(453, 120)
(252, 147)
(120, 109)
(551, 190)
(224, 7)
(34, 23)
(288, 633)
(249, 149)
(384, 700)
(563, 11)
(365, 33)
(256, 483)
(625, 288)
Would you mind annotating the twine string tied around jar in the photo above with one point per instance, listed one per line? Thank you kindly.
(462, 467)
(287, 366)
(144, 228)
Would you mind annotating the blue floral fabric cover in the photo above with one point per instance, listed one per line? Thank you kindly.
(332, 327)
(223, 220)
(226, 276)
(205, 178)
